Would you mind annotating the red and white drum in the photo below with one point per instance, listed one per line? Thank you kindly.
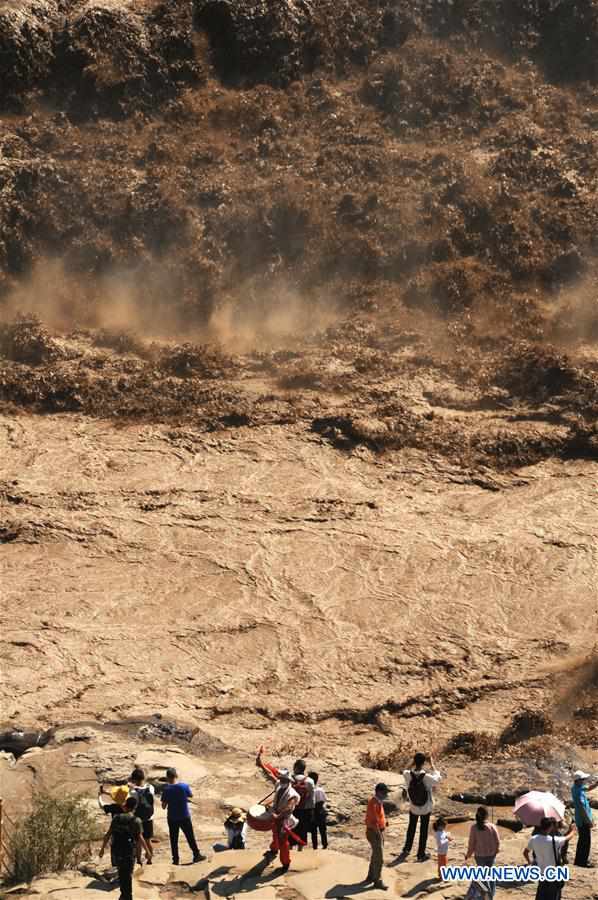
(259, 818)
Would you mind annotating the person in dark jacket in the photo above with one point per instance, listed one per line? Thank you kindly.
(119, 796)
(126, 843)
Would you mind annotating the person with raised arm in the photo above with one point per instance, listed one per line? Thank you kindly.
(419, 785)
(284, 822)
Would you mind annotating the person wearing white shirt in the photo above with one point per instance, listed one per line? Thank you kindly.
(419, 785)
(320, 814)
(547, 848)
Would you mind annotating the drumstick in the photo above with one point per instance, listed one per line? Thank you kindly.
(267, 797)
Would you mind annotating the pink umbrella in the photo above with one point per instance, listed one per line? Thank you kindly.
(536, 805)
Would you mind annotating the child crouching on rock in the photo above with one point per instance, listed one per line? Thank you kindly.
(236, 832)
(443, 839)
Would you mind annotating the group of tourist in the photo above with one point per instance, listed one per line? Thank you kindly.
(546, 847)
(298, 810)
(132, 826)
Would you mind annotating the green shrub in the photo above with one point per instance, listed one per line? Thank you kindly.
(56, 835)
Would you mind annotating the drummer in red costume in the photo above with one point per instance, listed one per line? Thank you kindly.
(285, 800)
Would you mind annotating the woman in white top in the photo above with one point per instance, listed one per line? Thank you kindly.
(419, 785)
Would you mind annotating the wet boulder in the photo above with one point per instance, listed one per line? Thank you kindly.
(259, 40)
(18, 742)
(27, 45)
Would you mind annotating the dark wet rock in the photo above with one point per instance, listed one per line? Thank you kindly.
(165, 729)
(17, 742)
(494, 798)
(511, 824)
(27, 46)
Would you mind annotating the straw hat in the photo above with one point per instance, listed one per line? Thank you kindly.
(237, 814)
(119, 794)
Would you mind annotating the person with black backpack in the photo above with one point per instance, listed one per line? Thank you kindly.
(127, 842)
(419, 785)
(145, 794)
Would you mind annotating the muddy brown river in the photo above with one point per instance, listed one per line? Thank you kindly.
(260, 577)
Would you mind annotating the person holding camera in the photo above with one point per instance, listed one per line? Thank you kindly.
(419, 785)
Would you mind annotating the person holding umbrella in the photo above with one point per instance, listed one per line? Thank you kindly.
(583, 816)
(534, 806)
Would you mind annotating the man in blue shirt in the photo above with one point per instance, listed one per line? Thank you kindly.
(583, 816)
(175, 799)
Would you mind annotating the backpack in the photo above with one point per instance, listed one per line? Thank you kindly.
(417, 790)
(145, 804)
(305, 790)
(123, 840)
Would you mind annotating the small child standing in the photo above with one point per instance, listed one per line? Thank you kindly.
(443, 839)
(320, 814)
